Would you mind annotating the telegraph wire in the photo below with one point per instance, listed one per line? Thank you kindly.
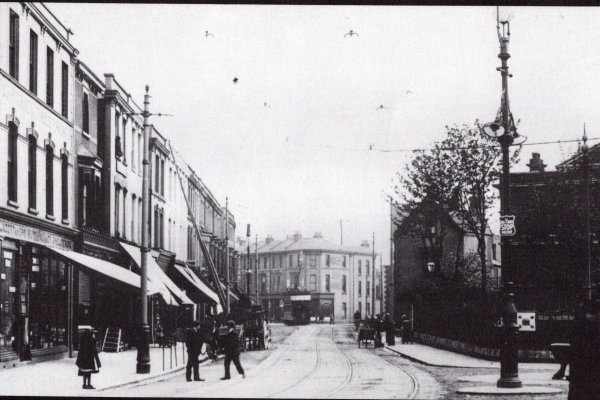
(371, 148)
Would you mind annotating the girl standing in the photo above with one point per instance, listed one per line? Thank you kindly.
(87, 358)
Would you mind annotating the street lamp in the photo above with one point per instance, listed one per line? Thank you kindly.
(504, 130)
(430, 266)
(248, 271)
(586, 177)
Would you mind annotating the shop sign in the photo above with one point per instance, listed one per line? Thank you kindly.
(29, 234)
(507, 225)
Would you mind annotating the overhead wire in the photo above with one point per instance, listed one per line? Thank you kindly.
(371, 148)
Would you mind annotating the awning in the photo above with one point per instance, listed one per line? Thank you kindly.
(230, 292)
(157, 276)
(194, 280)
(106, 268)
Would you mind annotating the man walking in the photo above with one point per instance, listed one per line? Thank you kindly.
(193, 342)
(231, 347)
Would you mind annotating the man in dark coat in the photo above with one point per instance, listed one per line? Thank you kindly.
(231, 348)
(193, 342)
(389, 328)
(584, 370)
(357, 319)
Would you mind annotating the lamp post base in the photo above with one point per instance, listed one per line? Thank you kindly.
(143, 356)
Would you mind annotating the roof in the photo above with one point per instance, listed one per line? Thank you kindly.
(304, 244)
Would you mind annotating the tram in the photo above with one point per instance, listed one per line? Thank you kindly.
(296, 308)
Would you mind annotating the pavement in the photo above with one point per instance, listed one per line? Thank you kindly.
(535, 377)
(54, 377)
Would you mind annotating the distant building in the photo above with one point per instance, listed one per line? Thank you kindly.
(339, 278)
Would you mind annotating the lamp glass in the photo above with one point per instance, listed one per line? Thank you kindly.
(430, 266)
(493, 129)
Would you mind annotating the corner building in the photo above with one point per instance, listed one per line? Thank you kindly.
(339, 278)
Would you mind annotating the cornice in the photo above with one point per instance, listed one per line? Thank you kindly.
(49, 26)
(24, 219)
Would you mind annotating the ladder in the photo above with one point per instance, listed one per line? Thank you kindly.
(211, 266)
(112, 341)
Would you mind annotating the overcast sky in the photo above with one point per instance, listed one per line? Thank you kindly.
(303, 161)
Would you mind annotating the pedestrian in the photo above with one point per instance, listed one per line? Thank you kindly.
(357, 319)
(378, 325)
(584, 374)
(193, 342)
(87, 358)
(406, 330)
(388, 327)
(231, 348)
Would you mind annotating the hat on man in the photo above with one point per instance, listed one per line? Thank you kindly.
(231, 323)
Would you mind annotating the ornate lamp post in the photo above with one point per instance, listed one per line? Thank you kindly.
(504, 130)
(586, 178)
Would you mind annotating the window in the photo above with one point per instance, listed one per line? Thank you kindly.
(86, 113)
(263, 283)
(139, 147)
(32, 172)
(368, 308)
(367, 267)
(278, 282)
(299, 260)
(12, 162)
(49, 180)
(157, 173)
(313, 283)
(117, 213)
(118, 148)
(344, 310)
(65, 187)
(13, 45)
(291, 261)
(368, 289)
(359, 267)
(49, 77)
(313, 261)
(327, 259)
(360, 307)
(162, 177)
(280, 261)
(344, 262)
(64, 96)
(327, 282)
(124, 122)
(133, 152)
(33, 61)
(343, 283)
(359, 288)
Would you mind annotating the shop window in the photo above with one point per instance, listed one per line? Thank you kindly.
(7, 286)
(48, 301)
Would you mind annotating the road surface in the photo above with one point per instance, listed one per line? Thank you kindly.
(313, 361)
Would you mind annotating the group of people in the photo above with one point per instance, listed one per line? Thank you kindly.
(200, 334)
(385, 323)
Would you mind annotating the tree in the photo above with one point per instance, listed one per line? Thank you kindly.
(458, 176)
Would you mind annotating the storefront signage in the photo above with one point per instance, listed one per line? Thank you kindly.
(12, 289)
(22, 232)
(507, 225)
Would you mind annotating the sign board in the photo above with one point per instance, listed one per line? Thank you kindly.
(300, 297)
(507, 225)
(35, 235)
(526, 321)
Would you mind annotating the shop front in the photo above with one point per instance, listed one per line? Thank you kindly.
(34, 291)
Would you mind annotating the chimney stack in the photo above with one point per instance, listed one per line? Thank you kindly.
(318, 235)
(269, 239)
(297, 236)
(365, 243)
(536, 164)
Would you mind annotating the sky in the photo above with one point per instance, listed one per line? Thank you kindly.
(298, 143)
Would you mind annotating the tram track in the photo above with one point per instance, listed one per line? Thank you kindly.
(306, 376)
(349, 375)
(413, 378)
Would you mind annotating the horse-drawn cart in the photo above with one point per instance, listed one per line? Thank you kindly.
(257, 332)
(366, 335)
